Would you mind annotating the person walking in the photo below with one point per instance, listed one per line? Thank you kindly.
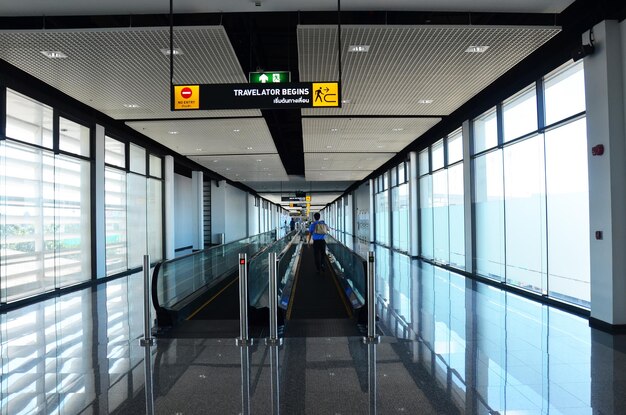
(317, 231)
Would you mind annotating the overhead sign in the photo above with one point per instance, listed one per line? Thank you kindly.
(292, 199)
(273, 77)
(255, 96)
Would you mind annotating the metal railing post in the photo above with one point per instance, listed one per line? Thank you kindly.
(273, 300)
(243, 339)
(147, 340)
(371, 301)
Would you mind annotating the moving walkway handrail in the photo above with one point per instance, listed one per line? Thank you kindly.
(351, 269)
(182, 277)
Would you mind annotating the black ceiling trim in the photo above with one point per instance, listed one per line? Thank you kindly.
(189, 119)
(304, 18)
(351, 152)
(374, 116)
(231, 154)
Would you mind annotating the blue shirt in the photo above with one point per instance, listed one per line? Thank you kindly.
(316, 236)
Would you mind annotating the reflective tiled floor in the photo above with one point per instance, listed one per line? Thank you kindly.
(450, 346)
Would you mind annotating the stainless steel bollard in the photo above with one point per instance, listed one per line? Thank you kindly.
(147, 340)
(371, 378)
(273, 300)
(275, 380)
(243, 339)
(371, 301)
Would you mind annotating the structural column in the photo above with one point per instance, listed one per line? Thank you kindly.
(413, 205)
(100, 203)
(604, 89)
(198, 211)
(169, 213)
(467, 199)
(371, 216)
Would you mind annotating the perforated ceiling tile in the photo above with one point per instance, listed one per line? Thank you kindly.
(407, 66)
(316, 175)
(245, 167)
(345, 161)
(362, 135)
(123, 72)
(200, 137)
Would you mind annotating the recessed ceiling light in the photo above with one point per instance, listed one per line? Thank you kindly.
(266, 168)
(325, 158)
(54, 54)
(346, 101)
(258, 160)
(425, 101)
(397, 129)
(227, 168)
(359, 48)
(476, 49)
(166, 51)
(248, 148)
(236, 130)
(198, 149)
(172, 132)
(334, 130)
(329, 146)
(380, 146)
(215, 161)
(131, 105)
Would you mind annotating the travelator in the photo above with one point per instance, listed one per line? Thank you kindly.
(182, 285)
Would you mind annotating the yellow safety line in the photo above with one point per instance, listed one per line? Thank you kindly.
(292, 296)
(211, 299)
(342, 294)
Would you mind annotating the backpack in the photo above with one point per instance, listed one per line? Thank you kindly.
(320, 228)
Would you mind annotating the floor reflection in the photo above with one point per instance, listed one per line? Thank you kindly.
(450, 345)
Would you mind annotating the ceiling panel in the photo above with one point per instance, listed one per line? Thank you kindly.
(345, 161)
(206, 137)
(245, 168)
(412, 70)
(335, 175)
(362, 135)
(122, 72)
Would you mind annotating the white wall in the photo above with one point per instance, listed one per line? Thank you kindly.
(184, 232)
(218, 209)
(236, 213)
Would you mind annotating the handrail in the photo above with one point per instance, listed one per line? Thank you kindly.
(200, 270)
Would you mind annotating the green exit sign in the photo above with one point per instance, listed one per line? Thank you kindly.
(269, 77)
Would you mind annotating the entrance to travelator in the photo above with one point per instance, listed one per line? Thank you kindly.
(329, 303)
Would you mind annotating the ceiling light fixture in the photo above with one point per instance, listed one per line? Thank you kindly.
(397, 129)
(166, 51)
(258, 160)
(329, 146)
(359, 48)
(334, 130)
(425, 101)
(54, 54)
(236, 130)
(131, 105)
(248, 148)
(476, 49)
(325, 158)
(198, 149)
(215, 161)
(346, 101)
(172, 132)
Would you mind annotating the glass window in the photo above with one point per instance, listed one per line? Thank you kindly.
(455, 148)
(402, 173)
(564, 92)
(525, 213)
(28, 121)
(456, 205)
(154, 219)
(136, 202)
(400, 217)
(115, 220)
(137, 159)
(73, 137)
(485, 129)
(382, 218)
(440, 216)
(426, 216)
(519, 114)
(437, 150)
(424, 166)
(114, 152)
(155, 166)
(489, 215)
(394, 176)
(568, 213)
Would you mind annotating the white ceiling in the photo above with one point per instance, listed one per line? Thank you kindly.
(112, 68)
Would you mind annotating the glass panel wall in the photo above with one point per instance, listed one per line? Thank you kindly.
(400, 209)
(45, 238)
(531, 194)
